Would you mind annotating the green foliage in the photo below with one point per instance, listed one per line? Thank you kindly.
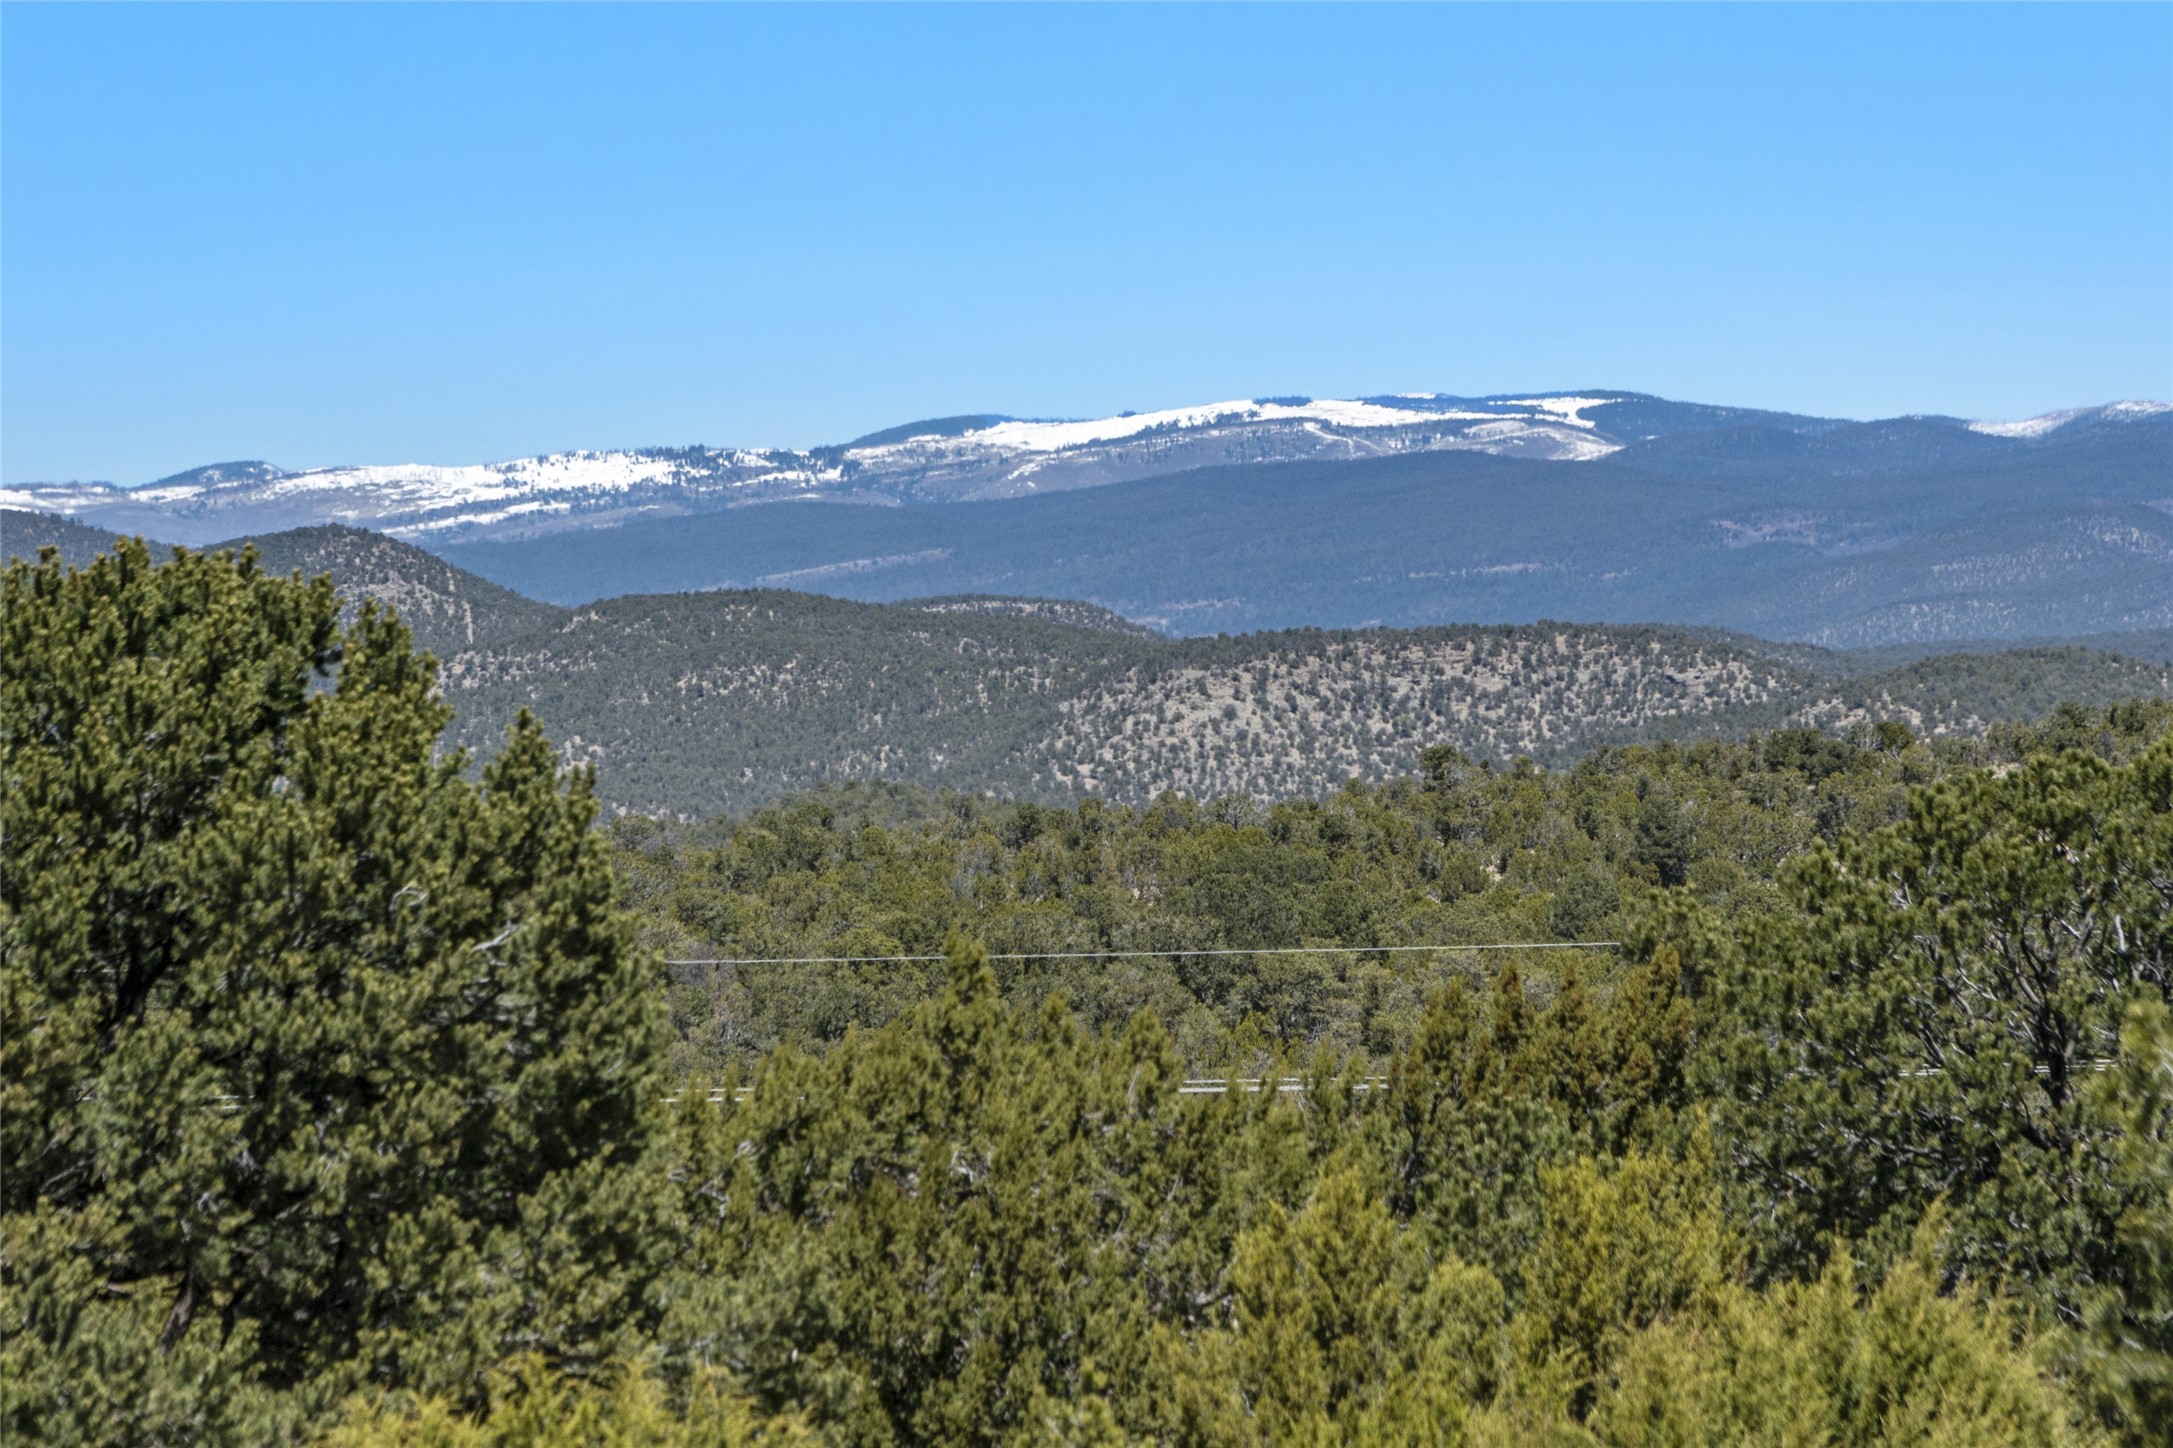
(2124, 1354)
(532, 1406)
(331, 1084)
(322, 1065)
(1827, 1362)
(978, 1224)
(2115, 733)
(1623, 1249)
(1923, 1022)
(925, 1232)
(1339, 1332)
(1464, 854)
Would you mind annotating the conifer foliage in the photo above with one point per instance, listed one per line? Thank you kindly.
(1927, 1020)
(323, 1065)
(338, 1103)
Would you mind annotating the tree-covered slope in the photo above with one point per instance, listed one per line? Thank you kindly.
(693, 703)
(1056, 610)
(23, 533)
(696, 702)
(448, 609)
(1449, 852)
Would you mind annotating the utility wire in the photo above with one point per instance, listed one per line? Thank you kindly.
(1205, 1085)
(1153, 954)
(1189, 1086)
(1292, 1085)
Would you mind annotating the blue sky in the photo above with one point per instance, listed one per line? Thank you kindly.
(318, 234)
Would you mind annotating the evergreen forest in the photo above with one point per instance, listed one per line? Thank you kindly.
(1790, 1087)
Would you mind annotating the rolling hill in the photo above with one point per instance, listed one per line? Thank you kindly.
(448, 610)
(692, 703)
(24, 533)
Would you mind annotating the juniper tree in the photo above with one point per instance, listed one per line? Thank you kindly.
(323, 1065)
(1924, 1021)
(2124, 1355)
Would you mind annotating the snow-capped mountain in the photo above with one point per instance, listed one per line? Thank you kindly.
(947, 460)
(2048, 422)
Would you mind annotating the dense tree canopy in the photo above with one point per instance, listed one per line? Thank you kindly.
(346, 1093)
(1458, 854)
(318, 1057)
(1924, 1022)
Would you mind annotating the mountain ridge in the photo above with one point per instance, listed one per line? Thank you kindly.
(969, 457)
(446, 608)
(1863, 535)
(697, 702)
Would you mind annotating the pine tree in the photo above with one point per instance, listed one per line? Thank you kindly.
(1923, 1021)
(335, 1067)
(2124, 1353)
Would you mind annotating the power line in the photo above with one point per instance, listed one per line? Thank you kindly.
(1296, 1085)
(1154, 954)
(1213, 1085)
(1189, 1086)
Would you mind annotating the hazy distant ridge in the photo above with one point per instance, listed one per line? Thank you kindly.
(944, 460)
(1289, 512)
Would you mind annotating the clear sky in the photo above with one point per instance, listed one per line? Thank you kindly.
(317, 234)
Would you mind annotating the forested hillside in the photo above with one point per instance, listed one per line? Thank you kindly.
(348, 1098)
(448, 610)
(23, 533)
(692, 703)
(1058, 610)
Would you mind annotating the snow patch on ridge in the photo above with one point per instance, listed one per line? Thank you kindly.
(2031, 426)
(423, 485)
(1049, 437)
(1564, 409)
(2043, 423)
(1002, 459)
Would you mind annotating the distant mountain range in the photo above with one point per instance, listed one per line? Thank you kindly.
(1859, 535)
(692, 703)
(1408, 510)
(942, 460)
